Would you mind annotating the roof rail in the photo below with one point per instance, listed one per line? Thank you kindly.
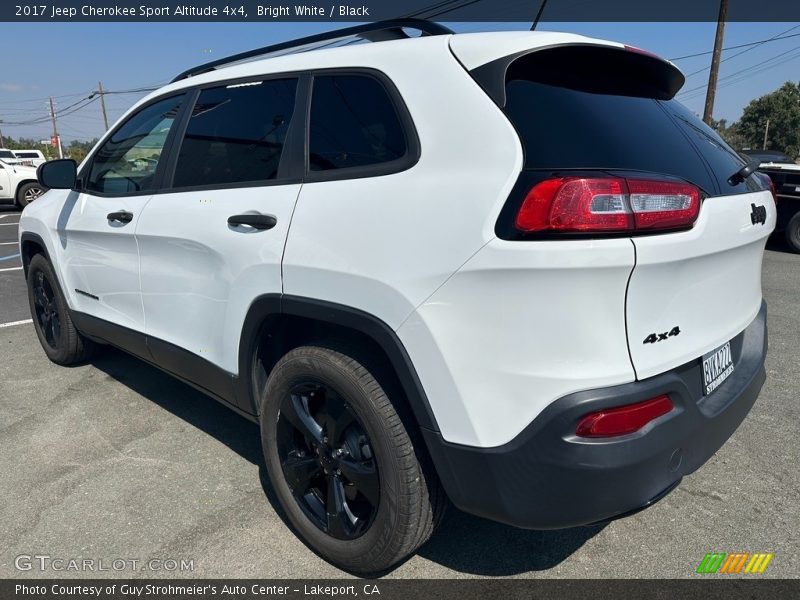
(373, 32)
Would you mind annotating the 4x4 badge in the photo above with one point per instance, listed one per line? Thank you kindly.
(758, 214)
(660, 337)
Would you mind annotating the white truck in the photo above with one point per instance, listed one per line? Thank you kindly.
(18, 184)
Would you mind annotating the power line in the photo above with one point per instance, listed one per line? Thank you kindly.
(745, 70)
(756, 43)
(752, 47)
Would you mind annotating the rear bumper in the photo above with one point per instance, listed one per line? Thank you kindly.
(547, 478)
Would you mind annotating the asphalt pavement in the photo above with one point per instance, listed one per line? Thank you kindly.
(114, 460)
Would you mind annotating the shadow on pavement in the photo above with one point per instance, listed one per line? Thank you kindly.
(463, 543)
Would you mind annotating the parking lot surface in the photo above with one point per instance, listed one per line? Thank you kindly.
(114, 460)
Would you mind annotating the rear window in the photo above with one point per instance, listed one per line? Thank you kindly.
(6, 154)
(26, 155)
(568, 128)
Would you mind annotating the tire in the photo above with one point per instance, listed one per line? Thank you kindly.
(62, 343)
(29, 192)
(384, 519)
(793, 232)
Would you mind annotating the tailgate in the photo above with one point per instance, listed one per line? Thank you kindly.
(706, 282)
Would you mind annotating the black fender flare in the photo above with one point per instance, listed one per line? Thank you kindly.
(271, 305)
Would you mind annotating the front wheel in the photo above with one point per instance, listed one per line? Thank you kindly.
(56, 332)
(793, 232)
(342, 462)
(29, 192)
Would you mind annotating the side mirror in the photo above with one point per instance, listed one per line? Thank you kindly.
(58, 174)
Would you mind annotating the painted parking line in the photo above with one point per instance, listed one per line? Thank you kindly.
(12, 323)
(9, 224)
(9, 215)
(11, 269)
(9, 243)
(10, 257)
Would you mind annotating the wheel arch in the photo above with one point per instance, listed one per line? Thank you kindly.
(277, 323)
(30, 245)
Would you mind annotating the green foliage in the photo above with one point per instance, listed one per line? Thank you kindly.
(782, 108)
(76, 150)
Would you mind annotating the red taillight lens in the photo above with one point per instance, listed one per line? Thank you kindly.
(608, 204)
(623, 419)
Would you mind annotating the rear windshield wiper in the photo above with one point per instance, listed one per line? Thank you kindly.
(744, 172)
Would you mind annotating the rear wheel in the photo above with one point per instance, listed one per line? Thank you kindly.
(28, 193)
(793, 232)
(56, 332)
(343, 464)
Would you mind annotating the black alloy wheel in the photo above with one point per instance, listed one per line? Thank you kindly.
(46, 308)
(328, 461)
(60, 339)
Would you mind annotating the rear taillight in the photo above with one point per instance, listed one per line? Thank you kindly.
(623, 420)
(767, 180)
(607, 204)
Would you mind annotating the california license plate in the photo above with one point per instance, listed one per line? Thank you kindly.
(717, 367)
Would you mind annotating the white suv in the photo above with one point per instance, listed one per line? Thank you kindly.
(505, 269)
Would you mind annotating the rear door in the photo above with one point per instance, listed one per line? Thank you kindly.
(705, 282)
(213, 241)
(605, 112)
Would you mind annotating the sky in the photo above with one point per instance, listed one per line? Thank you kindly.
(66, 61)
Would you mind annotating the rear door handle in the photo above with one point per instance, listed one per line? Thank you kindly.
(121, 216)
(254, 221)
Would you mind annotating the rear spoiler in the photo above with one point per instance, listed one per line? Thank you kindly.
(600, 69)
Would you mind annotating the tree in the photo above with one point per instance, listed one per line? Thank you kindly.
(782, 108)
(78, 150)
(729, 133)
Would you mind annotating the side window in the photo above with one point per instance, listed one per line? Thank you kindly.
(236, 134)
(353, 124)
(127, 161)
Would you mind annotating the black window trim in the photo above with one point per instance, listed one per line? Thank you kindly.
(166, 151)
(294, 167)
(290, 166)
(398, 165)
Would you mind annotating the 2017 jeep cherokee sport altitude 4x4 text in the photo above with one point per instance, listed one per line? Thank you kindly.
(505, 269)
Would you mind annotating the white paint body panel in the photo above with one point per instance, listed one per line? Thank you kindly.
(384, 244)
(706, 280)
(520, 325)
(101, 257)
(199, 275)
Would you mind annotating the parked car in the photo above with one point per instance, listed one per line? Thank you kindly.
(18, 184)
(8, 157)
(785, 176)
(31, 158)
(444, 267)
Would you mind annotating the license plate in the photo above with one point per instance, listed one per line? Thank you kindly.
(717, 367)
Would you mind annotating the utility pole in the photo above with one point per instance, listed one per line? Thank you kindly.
(2, 145)
(102, 94)
(766, 133)
(711, 91)
(55, 129)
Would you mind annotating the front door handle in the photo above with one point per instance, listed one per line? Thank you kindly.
(254, 221)
(121, 216)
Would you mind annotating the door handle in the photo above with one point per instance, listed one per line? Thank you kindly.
(121, 216)
(254, 221)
